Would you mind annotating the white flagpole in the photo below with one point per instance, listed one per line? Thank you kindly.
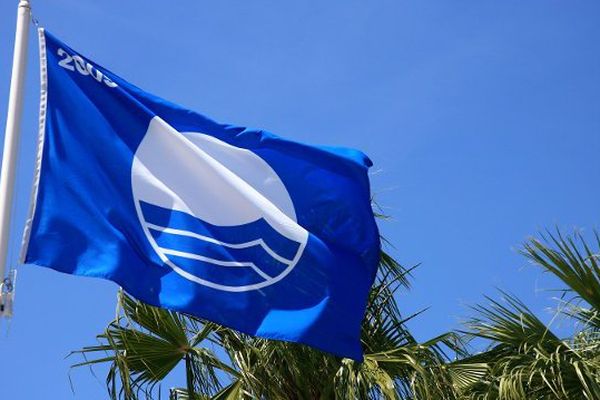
(13, 125)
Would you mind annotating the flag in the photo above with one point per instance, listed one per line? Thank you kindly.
(238, 226)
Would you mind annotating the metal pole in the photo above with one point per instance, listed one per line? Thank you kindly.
(12, 133)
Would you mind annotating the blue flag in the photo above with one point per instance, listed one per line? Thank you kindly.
(238, 226)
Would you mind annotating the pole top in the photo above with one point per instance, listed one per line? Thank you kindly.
(24, 4)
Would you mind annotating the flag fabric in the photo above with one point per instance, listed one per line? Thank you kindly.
(238, 226)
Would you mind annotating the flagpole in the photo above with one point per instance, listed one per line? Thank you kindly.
(13, 125)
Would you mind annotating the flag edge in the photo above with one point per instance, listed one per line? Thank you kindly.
(40, 144)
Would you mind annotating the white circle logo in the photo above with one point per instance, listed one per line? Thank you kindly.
(217, 214)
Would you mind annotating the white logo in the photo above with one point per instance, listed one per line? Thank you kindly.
(218, 215)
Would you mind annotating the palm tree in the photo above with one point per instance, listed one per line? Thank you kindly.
(144, 344)
(526, 359)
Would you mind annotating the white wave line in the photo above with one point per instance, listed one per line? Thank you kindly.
(213, 261)
(245, 245)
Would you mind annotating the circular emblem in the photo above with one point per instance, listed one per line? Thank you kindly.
(217, 214)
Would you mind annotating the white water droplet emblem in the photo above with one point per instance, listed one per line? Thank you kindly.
(217, 214)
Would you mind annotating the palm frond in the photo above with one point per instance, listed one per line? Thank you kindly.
(526, 360)
(576, 264)
(144, 344)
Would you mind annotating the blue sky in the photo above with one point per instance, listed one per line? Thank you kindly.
(481, 118)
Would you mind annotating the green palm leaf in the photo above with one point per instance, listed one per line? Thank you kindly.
(526, 359)
(576, 264)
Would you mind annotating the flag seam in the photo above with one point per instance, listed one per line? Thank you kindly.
(40, 143)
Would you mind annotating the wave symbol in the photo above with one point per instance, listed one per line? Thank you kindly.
(252, 253)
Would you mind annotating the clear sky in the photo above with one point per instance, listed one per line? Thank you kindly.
(482, 119)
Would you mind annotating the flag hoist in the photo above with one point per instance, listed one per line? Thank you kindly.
(11, 146)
